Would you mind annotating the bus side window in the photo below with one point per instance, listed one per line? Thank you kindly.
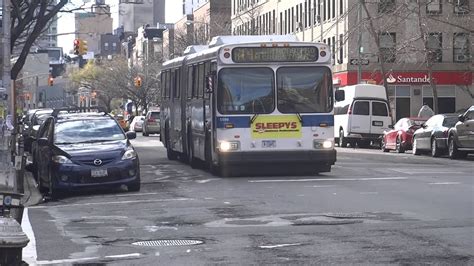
(195, 81)
(207, 70)
(178, 83)
(165, 85)
(168, 85)
(173, 84)
(201, 81)
(162, 85)
(190, 82)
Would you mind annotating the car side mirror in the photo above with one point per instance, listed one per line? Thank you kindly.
(43, 142)
(131, 135)
(210, 81)
(423, 125)
(340, 95)
(461, 118)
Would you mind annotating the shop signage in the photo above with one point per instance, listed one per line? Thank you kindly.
(407, 79)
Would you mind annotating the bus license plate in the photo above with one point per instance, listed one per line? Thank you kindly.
(99, 173)
(268, 143)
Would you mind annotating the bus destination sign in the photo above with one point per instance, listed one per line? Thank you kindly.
(274, 54)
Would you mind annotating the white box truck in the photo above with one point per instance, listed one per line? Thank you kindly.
(363, 116)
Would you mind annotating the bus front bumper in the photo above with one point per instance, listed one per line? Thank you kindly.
(323, 157)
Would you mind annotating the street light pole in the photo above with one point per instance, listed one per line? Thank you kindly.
(359, 43)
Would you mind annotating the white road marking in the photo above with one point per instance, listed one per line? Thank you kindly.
(29, 252)
(65, 261)
(328, 179)
(206, 180)
(109, 203)
(281, 245)
(123, 256)
(445, 183)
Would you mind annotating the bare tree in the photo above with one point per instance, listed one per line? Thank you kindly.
(248, 19)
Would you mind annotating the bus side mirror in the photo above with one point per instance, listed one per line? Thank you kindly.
(340, 95)
(210, 81)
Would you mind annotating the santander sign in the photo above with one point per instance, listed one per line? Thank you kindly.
(410, 79)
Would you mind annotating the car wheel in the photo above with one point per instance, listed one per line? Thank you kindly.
(435, 152)
(53, 192)
(384, 148)
(453, 150)
(415, 150)
(399, 147)
(342, 139)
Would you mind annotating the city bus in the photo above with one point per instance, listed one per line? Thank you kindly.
(250, 101)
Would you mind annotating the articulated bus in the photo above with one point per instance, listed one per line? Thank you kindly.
(250, 100)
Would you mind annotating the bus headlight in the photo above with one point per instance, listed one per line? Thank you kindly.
(323, 144)
(226, 146)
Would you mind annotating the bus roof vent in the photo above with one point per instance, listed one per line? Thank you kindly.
(194, 49)
(221, 40)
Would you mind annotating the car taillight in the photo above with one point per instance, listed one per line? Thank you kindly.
(151, 120)
(349, 110)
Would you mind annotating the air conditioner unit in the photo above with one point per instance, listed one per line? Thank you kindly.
(461, 58)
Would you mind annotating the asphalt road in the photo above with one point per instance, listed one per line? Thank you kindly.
(373, 208)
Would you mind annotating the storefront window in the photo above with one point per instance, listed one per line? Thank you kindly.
(446, 98)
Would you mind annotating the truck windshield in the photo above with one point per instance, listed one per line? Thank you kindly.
(304, 89)
(246, 91)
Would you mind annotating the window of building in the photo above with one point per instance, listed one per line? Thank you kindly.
(292, 20)
(461, 46)
(386, 6)
(114, 46)
(333, 8)
(328, 9)
(341, 7)
(446, 98)
(435, 47)
(341, 47)
(433, 7)
(387, 47)
(323, 8)
(106, 46)
(461, 6)
(305, 14)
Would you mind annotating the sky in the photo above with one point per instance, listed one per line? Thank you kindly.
(66, 20)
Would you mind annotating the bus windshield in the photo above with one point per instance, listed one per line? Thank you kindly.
(246, 91)
(304, 90)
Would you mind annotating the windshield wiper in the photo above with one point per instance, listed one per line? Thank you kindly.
(253, 118)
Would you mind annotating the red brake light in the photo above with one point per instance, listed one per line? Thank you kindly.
(349, 110)
(151, 120)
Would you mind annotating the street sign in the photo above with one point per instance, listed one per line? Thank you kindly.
(355, 61)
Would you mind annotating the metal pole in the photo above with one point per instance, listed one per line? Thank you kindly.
(321, 19)
(6, 78)
(359, 43)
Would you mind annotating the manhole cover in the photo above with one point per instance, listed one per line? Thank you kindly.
(168, 242)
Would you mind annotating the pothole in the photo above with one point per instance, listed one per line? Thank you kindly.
(168, 242)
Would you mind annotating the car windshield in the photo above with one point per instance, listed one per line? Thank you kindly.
(87, 131)
(304, 89)
(450, 121)
(253, 94)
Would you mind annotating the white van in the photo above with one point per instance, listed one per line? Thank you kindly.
(362, 116)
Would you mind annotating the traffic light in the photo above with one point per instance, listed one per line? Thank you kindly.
(138, 82)
(50, 81)
(76, 46)
(82, 47)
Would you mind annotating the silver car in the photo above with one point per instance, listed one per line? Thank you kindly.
(151, 125)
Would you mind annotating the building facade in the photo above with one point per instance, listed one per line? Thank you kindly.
(109, 45)
(190, 5)
(90, 26)
(406, 59)
(210, 19)
(134, 15)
